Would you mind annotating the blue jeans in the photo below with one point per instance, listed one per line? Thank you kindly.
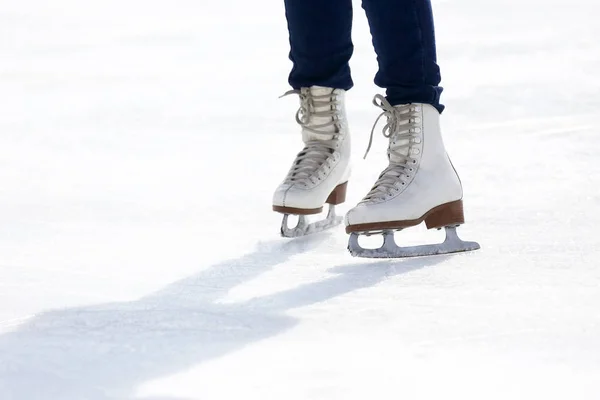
(403, 37)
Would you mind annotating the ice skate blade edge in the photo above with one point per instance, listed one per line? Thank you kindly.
(452, 244)
(304, 228)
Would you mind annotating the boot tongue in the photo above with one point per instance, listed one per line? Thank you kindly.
(399, 144)
(318, 120)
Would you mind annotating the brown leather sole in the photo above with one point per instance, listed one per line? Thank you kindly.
(337, 196)
(438, 217)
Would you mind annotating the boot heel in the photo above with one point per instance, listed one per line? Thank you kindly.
(446, 215)
(338, 196)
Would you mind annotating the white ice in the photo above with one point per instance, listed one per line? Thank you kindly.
(140, 142)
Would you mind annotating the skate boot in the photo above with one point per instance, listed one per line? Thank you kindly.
(419, 184)
(320, 172)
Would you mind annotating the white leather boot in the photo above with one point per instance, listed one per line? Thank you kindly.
(320, 172)
(419, 184)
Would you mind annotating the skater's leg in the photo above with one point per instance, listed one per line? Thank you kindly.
(404, 40)
(320, 42)
(419, 184)
(320, 48)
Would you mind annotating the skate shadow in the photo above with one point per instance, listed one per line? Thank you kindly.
(106, 351)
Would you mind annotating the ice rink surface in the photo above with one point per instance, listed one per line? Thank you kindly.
(141, 141)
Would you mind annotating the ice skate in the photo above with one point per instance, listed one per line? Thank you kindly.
(320, 172)
(419, 185)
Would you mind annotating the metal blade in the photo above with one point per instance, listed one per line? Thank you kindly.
(304, 228)
(452, 244)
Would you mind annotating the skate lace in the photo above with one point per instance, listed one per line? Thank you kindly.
(402, 126)
(315, 152)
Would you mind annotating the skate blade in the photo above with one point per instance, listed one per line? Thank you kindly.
(452, 244)
(304, 228)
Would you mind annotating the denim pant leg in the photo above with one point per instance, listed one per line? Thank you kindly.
(320, 42)
(404, 40)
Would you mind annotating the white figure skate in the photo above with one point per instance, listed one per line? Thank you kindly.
(320, 172)
(419, 184)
